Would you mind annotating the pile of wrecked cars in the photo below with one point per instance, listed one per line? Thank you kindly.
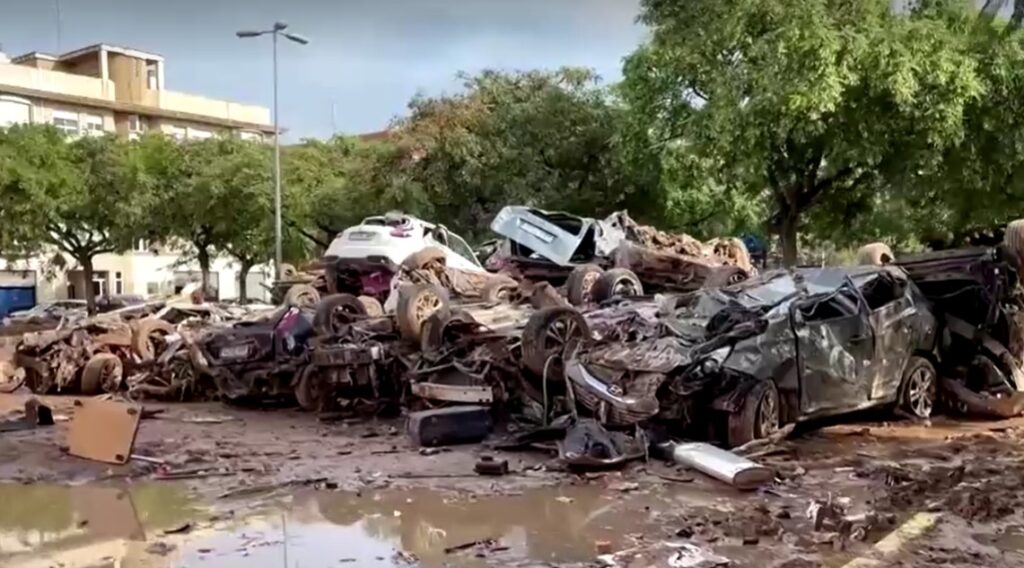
(612, 327)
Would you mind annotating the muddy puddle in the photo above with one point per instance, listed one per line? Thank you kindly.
(161, 525)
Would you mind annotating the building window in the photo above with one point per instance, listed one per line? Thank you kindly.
(92, 125)
(118, 284)
(14, 111)
(66, 122)
(141, 245)
(152, 75)
(176, 132)
(198, 134)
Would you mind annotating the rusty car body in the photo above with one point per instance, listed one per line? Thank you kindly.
(735, 363)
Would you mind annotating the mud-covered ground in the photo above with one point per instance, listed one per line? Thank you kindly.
(279, 486)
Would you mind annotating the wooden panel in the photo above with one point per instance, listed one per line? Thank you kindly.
(103, 430)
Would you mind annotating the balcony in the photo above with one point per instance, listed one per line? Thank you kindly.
(225, 110)
(55, 82)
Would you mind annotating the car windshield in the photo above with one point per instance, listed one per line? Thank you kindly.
(461, 248)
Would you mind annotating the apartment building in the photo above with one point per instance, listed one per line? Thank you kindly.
(109, 89)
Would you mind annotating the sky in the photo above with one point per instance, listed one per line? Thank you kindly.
(366, 58)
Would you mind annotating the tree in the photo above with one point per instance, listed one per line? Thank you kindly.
(802, 102)
(216, 189)
(548, 139)
(84, 197)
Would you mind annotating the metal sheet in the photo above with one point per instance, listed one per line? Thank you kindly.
(103, 430)
(454, 393)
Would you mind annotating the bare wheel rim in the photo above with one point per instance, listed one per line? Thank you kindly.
(625, 287)
(768, 414)
(736, 278)
(587, 284)
(559, 333)
(920, 392)
(110, 376)
(425, 305)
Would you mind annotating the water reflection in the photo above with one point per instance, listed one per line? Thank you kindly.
(100, 526)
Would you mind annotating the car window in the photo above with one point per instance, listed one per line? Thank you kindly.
(841, 304)
(882, 290)
(461, 248)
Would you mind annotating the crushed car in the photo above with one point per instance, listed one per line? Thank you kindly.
(734, 364)
(600, 259)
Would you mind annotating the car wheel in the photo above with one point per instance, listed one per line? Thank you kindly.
(433, 338)
(548, 333)
(102, 373)
(423, 258)
(372, 306)
(580, 285)
(875, 254)
(310, 391)
(149, 338)
(302, 296)
(288, 271)
(919, 389)
(500, 291)
(616, 283)
(725, 276)
(335, 311)
(38, 383)
(759, 417)
(415, 304)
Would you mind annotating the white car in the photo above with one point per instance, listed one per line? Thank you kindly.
(395, 236)
(365, 259)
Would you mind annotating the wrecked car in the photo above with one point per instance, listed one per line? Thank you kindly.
(735, 363)
(601, 259)
(364, 259)
(259, 358)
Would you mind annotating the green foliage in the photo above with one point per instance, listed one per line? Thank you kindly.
(548, 139)
(83, 197)
(802, 103)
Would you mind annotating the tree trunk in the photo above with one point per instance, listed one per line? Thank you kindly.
(788, 235)
(203, 255)
(243, 275)
(87, 270)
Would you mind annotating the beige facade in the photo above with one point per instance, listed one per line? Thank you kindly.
(117, 90)
(106, 89)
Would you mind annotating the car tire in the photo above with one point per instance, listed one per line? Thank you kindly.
(416, 303)
(421, 259)
(875, 254)
(758, 417)
(325, 321)
(372, 306)
(310, 390)
(432, 332)
(919, 388)
(579, 286)
(548, 333)
(148, 336)
(499, 291)
(287, 271)
(615, 283)
(302, 296)
(103, 373)
(1013, 240)
(725, 276)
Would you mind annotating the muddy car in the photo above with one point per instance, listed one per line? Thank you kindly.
(600, 259)
(259, 359)
(736, 363)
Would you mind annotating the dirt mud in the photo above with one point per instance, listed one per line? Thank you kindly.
(260, 485)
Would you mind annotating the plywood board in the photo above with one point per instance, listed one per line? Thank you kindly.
(103, 430)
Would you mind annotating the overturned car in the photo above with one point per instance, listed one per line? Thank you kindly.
(600, 259)
(736, 363)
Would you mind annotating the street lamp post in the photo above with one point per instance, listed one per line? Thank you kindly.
(277, 30)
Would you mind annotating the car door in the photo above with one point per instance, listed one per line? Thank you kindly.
(894, 318)
(835, 345)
